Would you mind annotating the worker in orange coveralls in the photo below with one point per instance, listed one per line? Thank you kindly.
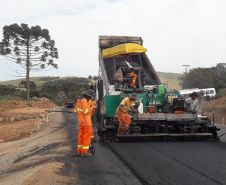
(83, 110)
(122, 113)
(127, 60)
(92, 103)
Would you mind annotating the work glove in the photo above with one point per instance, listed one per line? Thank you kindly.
(72, 111)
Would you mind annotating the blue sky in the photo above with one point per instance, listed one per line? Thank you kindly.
(175, 32)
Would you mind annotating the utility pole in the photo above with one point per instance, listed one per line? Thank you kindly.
(186, 68)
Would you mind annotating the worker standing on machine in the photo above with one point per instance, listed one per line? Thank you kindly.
(83, 110)
(122, 113)
(192, 102)
(127, 60)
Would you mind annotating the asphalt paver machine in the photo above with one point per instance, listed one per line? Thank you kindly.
(162, 114)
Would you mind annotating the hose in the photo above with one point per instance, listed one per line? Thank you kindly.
(222, 135)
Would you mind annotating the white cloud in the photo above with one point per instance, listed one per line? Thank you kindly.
(174, 32)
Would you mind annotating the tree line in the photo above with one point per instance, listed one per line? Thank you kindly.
(213, 77)
(60, 92)
(56, 93)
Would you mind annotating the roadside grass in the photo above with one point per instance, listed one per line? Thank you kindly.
(5, 100)
(9, 99)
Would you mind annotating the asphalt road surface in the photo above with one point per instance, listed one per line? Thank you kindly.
(48, 158)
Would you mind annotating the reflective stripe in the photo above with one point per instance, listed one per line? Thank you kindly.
(78, 109)
(85, 147)
(86, 111)
(80, 146)
(126, 107)
(121, 127)
(92, 137)
(123, 103)
(126, 125)
(134, 80)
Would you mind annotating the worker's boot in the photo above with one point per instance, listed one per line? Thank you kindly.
(86, 155)
(78, 154)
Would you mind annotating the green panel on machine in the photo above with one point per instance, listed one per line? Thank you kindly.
(149, 98)
(161, 89)
(110, 104)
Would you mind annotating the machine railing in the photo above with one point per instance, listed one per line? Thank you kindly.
(209, 111)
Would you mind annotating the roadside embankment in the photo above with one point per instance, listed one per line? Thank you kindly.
(219, 108)
(20, 119)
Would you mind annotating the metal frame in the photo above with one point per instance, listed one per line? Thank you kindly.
(209, 111)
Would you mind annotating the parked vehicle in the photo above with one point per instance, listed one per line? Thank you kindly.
(211, 92)
(204, 94)
(70, 103)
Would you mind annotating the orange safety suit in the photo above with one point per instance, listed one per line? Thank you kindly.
(134, 79)
(124, 118)
(83, 110)
(92, 103)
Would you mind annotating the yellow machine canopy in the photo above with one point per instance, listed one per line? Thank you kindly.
(123, 49)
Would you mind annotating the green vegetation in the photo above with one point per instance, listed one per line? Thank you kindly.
(61, 92)
(10, 94)
(205, 77)
(40, 81)
(221, 93)
(23, 84)
(56, 93)
(10, 99)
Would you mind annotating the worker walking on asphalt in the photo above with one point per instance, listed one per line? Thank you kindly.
(92, 103)
(193, 102)
(127, 60)
(122, 113)
(83, 110)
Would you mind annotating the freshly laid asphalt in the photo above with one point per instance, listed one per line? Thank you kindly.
(157, 162)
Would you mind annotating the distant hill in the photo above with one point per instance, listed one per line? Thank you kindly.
(16, 82)
(40, 80)
(170, 78)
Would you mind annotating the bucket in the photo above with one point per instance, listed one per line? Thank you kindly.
(151, 109)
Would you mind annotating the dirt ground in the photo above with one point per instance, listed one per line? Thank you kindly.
(21, 119)
(37, 159)
(219, 108)
(29, 110)
(19, 129)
